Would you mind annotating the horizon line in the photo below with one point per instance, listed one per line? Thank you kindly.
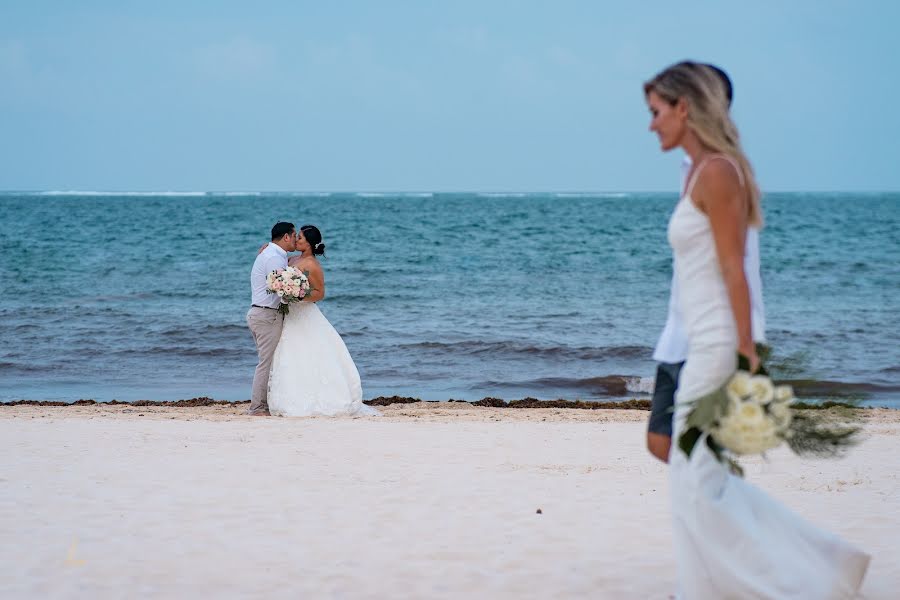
(75, 192)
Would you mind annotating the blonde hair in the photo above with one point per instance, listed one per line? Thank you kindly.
(706, 95)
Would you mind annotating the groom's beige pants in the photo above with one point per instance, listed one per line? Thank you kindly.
(265, 325)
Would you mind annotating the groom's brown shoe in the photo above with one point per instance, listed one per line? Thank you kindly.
(259, 412)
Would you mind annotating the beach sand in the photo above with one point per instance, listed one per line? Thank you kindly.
(428, 501)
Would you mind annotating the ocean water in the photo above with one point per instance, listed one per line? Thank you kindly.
(143, 296)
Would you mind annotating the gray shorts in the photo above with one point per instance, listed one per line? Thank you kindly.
(662, 406)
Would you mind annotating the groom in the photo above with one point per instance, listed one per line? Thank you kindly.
(263, 318)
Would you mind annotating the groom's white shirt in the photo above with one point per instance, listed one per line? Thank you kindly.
(270, 259)
(672, 346)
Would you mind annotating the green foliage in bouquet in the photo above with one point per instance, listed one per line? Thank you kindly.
(813, 435)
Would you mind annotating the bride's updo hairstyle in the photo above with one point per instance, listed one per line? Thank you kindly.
(707, 98)
(314, 237)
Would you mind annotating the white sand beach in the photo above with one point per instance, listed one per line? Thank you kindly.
(427, 501)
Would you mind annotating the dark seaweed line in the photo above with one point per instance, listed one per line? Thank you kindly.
(380, 401)
(633, 404)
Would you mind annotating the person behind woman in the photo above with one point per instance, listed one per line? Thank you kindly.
(731, 539)
(312, 372)
(672, 347)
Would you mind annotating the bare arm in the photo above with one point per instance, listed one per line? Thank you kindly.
(316, 281)
(316, 277)
(720, 195)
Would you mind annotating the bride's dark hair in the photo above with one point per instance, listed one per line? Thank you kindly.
(314, 237)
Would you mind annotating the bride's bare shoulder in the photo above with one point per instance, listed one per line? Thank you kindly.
(305, 264)
(313, 266)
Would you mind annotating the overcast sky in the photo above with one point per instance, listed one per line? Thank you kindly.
(433, 96)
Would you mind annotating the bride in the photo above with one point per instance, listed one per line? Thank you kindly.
(312, 372)
(731, 539)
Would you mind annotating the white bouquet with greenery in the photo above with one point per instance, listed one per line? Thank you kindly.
(750, 414)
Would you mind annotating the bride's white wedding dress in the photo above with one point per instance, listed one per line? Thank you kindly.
(312, 372)
(731, 539)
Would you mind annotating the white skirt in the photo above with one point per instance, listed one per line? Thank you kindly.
(312, 372)
(732, 540)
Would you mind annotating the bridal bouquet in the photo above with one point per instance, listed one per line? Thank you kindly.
(291, 285)
(750, 415)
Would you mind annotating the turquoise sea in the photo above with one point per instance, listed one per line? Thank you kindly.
(438, 295)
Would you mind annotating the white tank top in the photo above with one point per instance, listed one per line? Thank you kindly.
(696, 267)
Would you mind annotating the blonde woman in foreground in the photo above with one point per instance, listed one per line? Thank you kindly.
(731, 539)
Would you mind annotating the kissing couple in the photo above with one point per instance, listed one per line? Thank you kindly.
(304, 367)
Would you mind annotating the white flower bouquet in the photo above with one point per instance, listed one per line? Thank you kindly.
(750, 415)
(291, 285)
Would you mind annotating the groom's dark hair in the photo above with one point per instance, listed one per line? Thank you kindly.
(726, 82)
(281, 229)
